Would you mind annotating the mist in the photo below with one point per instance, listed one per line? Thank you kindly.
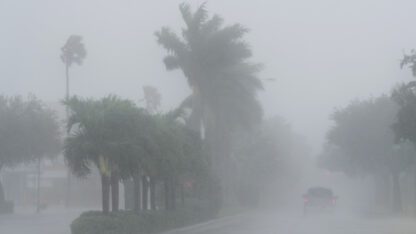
(322, 54)
(318, 59)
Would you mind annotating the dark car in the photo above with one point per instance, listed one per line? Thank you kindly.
(319, 199)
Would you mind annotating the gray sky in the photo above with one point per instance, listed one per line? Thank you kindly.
(322, 53)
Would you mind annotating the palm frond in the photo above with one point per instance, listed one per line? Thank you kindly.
(171, 62)
(186, 13)
(73, 51)
(79, 153)
(231, 33)
(200, 16)
(171, 42)
(214, 59)
(212, 25)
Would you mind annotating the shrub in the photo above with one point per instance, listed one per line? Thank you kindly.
(129, 222)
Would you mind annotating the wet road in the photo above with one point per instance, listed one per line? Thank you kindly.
(47, 222)
(275, 223)
(57, 222)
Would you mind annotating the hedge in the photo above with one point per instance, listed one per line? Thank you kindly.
(129, 222)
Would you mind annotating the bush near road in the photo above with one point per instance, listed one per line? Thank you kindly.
(145, 222)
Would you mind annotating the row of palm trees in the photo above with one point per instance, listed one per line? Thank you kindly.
(123, 141)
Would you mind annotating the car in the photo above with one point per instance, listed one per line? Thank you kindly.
(319, 199)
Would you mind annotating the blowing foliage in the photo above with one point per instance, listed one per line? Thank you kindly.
(125, 142)
(215, 61)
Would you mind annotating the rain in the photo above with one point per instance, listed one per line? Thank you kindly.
(191, 116)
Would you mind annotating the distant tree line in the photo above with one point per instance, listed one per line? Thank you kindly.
(29, 131)
(377, 137)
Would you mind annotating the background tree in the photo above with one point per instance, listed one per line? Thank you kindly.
(362, 142)
(215, 61)
(404, 96)
(28, 131)
(409, 60)
(405, 125)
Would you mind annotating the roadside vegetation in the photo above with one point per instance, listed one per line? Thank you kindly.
(376, 137)
(29, 131)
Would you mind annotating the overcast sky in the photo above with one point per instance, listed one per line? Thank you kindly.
(322, 53)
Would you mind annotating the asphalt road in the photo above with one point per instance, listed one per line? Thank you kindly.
(296, 223)
(57, 222)
(47, 222)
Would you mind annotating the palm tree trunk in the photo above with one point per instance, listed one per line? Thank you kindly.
(182, 194)
(167, 194)
(105, 193)
(386, 191)
(414, 188)
(38, 188)
(172, 194)
(67, 81)
(137, 197)
(2, 195)
(145, 193)
(115, 191)
(152, 194)
(397, 200)
(68, 176)
(220, 146)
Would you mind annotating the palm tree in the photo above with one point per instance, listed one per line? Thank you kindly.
(175, 155)
(104, 133)
(72, 52)
(215, 61)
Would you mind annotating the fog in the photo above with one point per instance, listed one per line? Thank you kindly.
(318, 56)
(321, 53)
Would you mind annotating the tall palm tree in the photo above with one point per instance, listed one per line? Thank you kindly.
(215, 61)
(72, 52)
